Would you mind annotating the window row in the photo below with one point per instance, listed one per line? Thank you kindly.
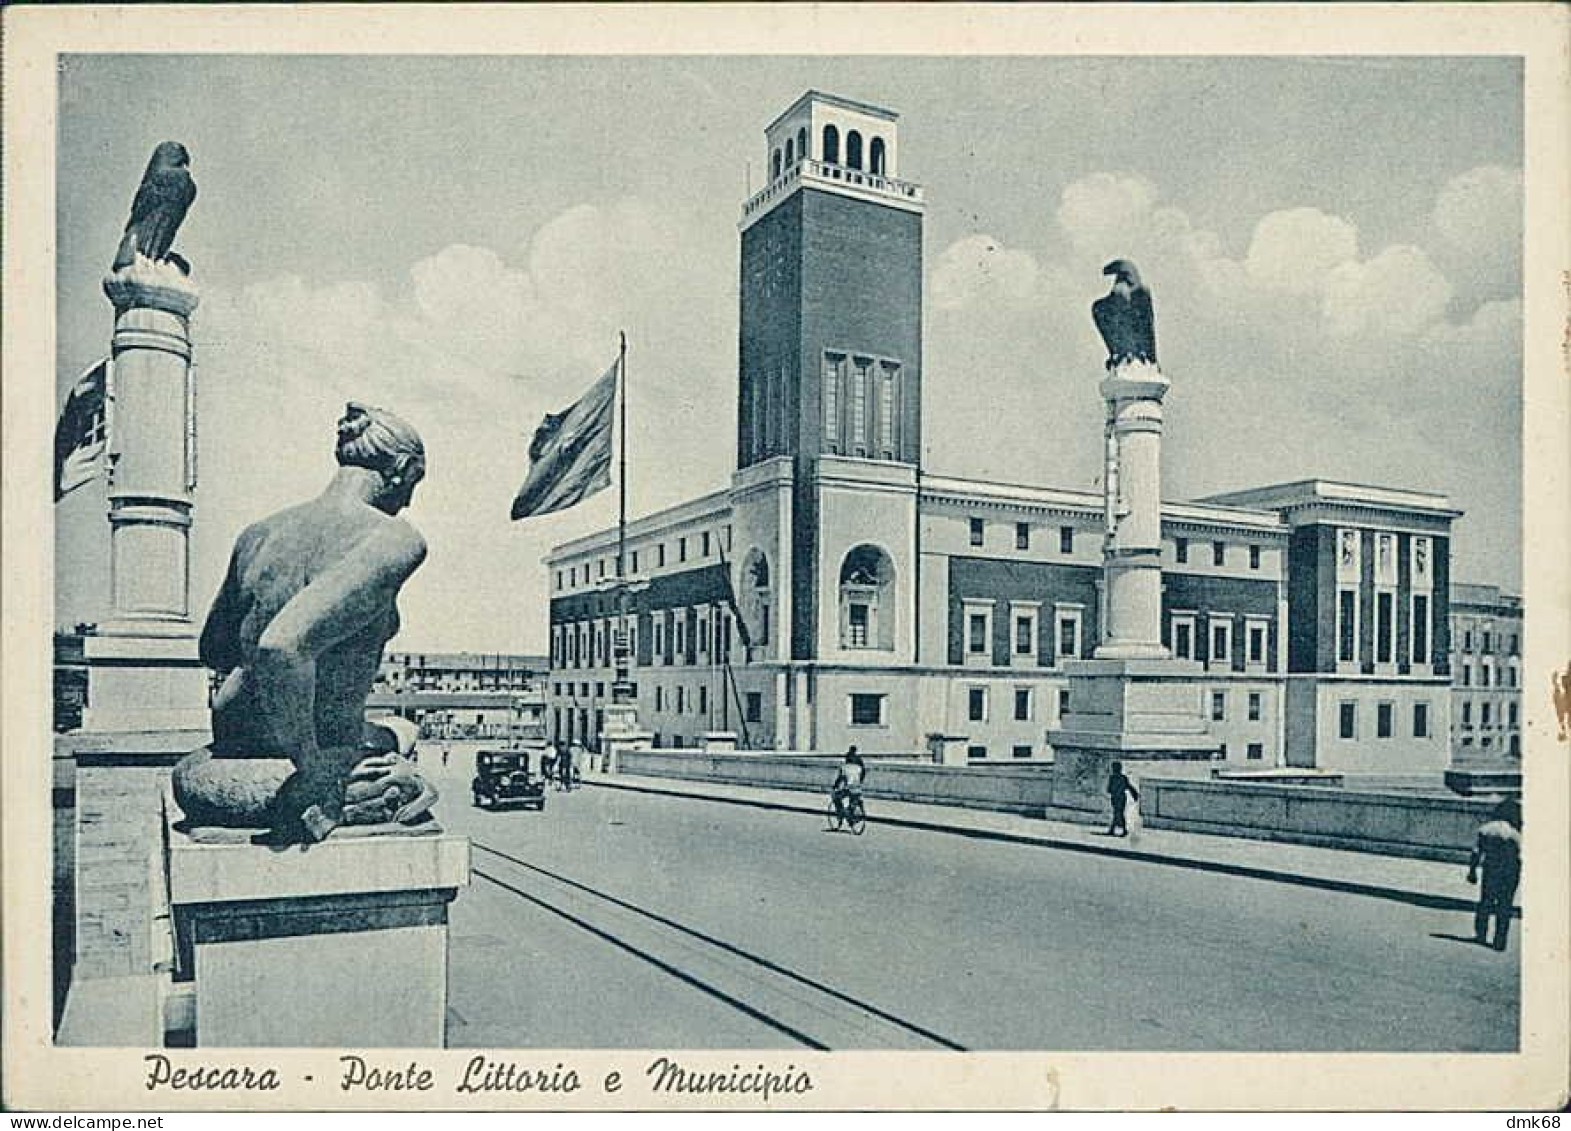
(1068, 636)
(1487, 639)
(697, 546)
(1385, 720)
(1066, 535)
(1218, 553)
(1506, 675)
(1487, 717)
(705, 632)
(1184, 639)
(795, 149)
(1351, 626)
(862, 402)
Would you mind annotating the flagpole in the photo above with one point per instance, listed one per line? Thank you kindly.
(620, 687)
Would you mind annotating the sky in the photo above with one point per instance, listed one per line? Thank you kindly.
(1333, 246)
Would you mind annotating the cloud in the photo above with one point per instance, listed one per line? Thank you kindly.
(979, 268)
(1296, 249)
(1099, 213)
(1478, 214)
(1399, 291)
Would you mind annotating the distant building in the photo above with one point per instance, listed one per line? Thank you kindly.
(837, 592)
(461, 695)
(1486, 672)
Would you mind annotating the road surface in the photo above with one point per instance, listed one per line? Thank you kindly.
(617, 919)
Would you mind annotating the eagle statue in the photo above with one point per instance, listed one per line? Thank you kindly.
(1123, 317)
(161, 202)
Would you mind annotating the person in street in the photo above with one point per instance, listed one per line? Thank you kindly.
(848, 782)
(1119, 791)
(1499, 852)
(447, 749)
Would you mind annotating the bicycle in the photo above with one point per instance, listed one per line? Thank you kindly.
(854, 815)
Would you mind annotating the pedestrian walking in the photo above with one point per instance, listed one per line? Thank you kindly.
(1119, 791)
(1499, 852)
(447, 749)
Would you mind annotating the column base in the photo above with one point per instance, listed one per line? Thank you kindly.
(342, 944)
(144, 676)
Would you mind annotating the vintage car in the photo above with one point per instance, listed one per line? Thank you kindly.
(507, 776)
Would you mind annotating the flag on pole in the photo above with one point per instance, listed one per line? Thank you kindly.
(81, 434)
(570, 455)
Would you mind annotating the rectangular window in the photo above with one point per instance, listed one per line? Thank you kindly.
(1348, 720)
(1486, 714)
(1066, 539)
(681, 642)
(886, 410)
(1511, 708)
(1257, 644)
(858, 635)
(755, 706)
(1420, 628)
(1254, 706)
(1256, 751)
(659, 698)
(1467, 675)
(1218, 553)
(1489, 639)
(1218, 706)
(1184, 639)
(601, 567)
(703, 700)
(681, 700)
(1221, 642)
(859, 408)
(1022, 704)
(572, 576)
(1022, 535)
(1068, 636)
(705, 551)
(1347, 626)
(1467, 641)
(1181, 550)
(832, 399)
(1063, 702)
(976, 532)
(1385, 627)
(1021, 751)
(1025, 635)
(660, 555)
(1254, 557)
(976, 753)
(976, 633)
(1383, 713)
(1420, 720)
(681, 549)
(976, 700)
(1467, 714)
(635, 561)
(867, 710)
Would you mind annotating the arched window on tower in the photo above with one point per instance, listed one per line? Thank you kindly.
(790, 152)
(831, 145)
(853, 150)
(875, 157)
(867, 600)
(801, 144)
(774, 167)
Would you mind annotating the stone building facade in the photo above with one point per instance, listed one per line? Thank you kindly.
(1486, 670)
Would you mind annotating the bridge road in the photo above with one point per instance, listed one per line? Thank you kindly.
(624, 920)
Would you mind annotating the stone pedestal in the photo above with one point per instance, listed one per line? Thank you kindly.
(341, 944)
(620, 731)
(1132, 711)
(947, 749)
(143, 671)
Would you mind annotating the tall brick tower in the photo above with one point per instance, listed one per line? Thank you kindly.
(830, 368)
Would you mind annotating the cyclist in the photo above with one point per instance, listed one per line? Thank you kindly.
(848, 783)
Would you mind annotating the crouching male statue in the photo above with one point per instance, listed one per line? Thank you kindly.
(297, 631)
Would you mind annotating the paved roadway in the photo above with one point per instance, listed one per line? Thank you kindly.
(623, 920)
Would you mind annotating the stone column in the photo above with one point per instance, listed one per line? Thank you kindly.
(1132, 551)
(1132, 702)
(143, 668)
